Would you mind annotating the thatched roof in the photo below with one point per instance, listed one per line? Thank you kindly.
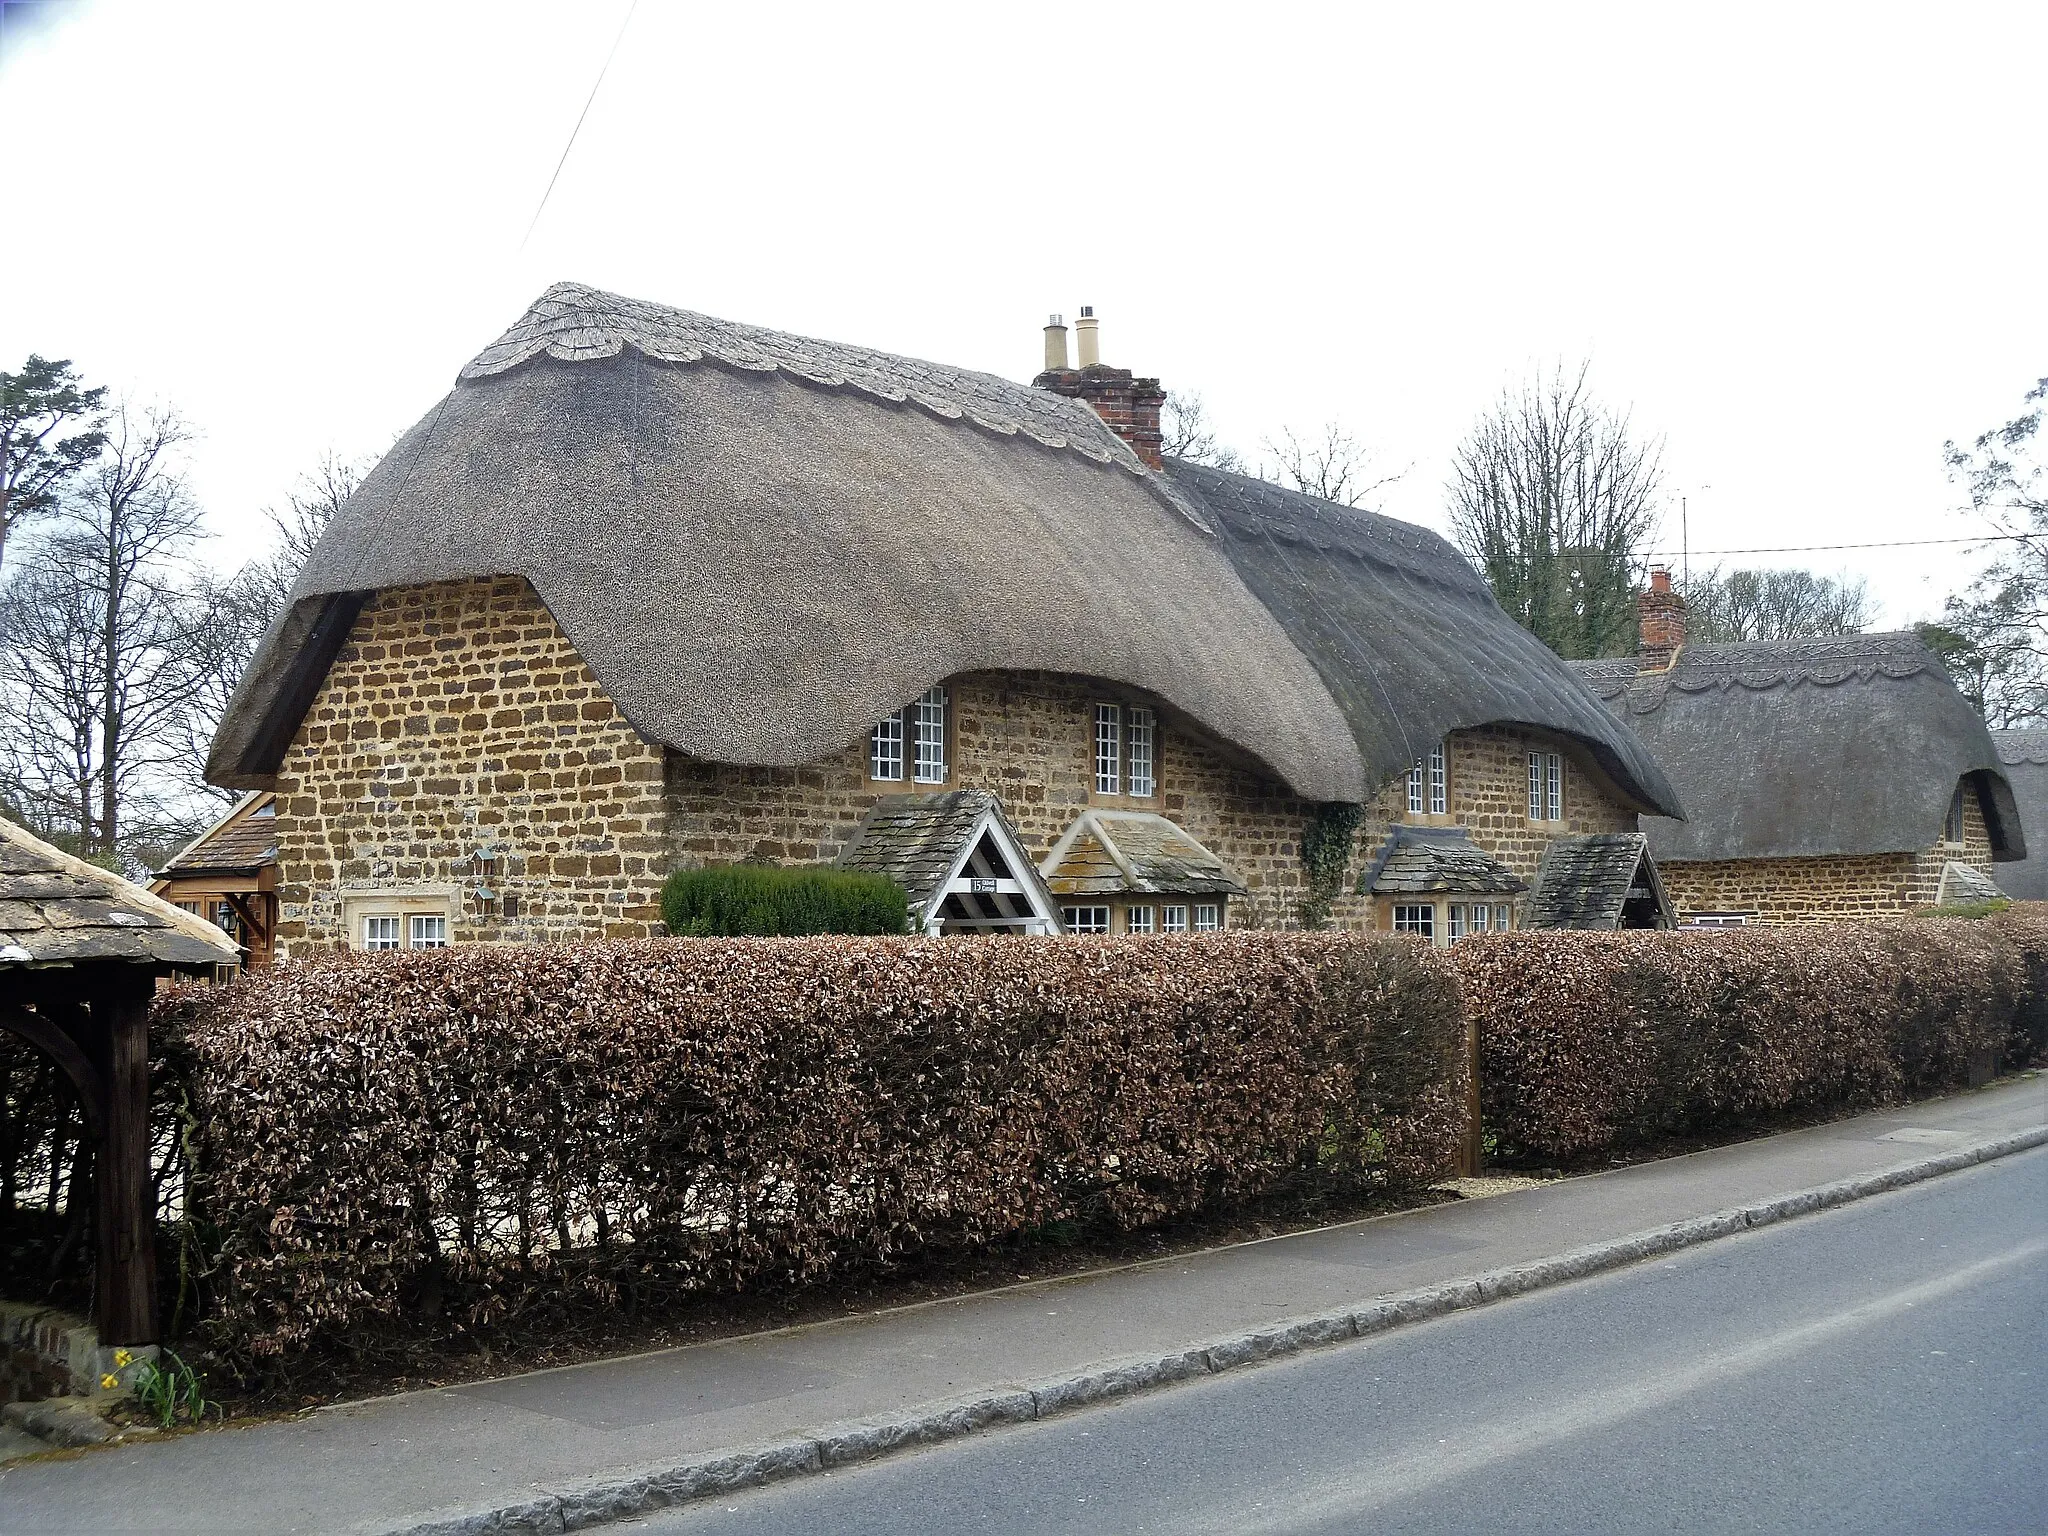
(57, 910)
(2024, 756)
(762, 543)
(1852, 744)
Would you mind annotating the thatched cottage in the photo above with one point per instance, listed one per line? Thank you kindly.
(228, 875)
(1825, 778)
(648, 588)
(2023, 754)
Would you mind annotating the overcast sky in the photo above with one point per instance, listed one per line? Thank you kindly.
(1804, 245)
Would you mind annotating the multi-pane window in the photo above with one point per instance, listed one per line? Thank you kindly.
(1418, 919)
(928, 725)
(1455, 928)
(1208, 916)
(1138, 752)
(1173, 919)
(1503, 917)
(1109, 749)
(1952, 827)
(427, 930)
(911, 743)
(885, 749)
(1429, 784)
(1085, 919)
(1468, 918)
(1139, 920)
(380, 933)
(1546, 786)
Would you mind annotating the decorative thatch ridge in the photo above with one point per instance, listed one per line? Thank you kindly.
(1806, 748)
(761, 544)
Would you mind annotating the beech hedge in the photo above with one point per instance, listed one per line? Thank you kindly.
(483, 1142)
(1593, 1043)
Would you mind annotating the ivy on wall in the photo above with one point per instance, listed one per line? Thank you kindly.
(1326, 854)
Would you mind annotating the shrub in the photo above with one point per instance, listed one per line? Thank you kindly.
(766, 900)
(1594, 1042)
(479, 1143)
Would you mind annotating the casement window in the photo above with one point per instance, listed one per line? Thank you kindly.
(1952, 827)
(196, 908)
(381, 932)
(1109, 749)
(1716, 920)
(1138, 730)
(1465, 918)
(1455, 926)
(1139, 920)
(1546, 786)
(426, 930)
(1173, 919)
(1085, 919)
(1503, 918)
(1429, 784)
(911, 742)
(1126, 751)
(1418, 919)
(1208, 916)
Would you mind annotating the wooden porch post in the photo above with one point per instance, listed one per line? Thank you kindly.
(126, 1275)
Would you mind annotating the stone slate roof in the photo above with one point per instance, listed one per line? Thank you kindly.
(1105, 852)
(916, 840)
(1852, 744)
(242, 842)
(60, 910)
(762, 543)
(1964, 883)
(1584, 881)
(2024, 756)
(1423, 861)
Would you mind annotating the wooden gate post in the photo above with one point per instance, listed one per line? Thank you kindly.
(126, 1273)
(1471, 1146)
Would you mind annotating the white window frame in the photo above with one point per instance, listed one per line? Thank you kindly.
(1415, 801)
(1087, 921)
(1141, 919)
(1480, 918)
(1546, 786)
(1173, 919)
(1439, 781)
(928, 737)
(1140, 734)
(1418, 918)
(1455, 926)
(1955, 828)
(885, 750)
(377, 936)
(1208, 917)
(1109, 749)
(426, 930)
(1503, 917)
(1535, 786)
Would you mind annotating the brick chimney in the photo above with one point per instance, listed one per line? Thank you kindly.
(1129, 405)
(1660, 621)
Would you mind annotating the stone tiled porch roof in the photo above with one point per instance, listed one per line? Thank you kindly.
(1423, 861)
(1108, 851)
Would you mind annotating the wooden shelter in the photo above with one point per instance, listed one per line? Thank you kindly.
(80, 953)
(228, 875)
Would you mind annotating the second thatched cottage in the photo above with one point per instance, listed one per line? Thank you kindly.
(648, 588)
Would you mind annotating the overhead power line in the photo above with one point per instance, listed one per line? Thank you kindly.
(595, 87)
(1814, 549)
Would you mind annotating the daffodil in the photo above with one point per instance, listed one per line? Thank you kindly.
(107, 1383)
(122, 1357)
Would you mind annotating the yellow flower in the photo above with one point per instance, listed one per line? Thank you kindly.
(122, 1357)
(107, 1383)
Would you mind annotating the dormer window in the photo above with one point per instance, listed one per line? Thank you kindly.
(1126, 751)
(1429, 784)
(1952, 824)
(1546, 786)
(912, 741)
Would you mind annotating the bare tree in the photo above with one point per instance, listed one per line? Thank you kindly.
(104, 671)
(308, 508)
(36, 457)
(1774, 605)
(1334, 465)
(1994, 636)
(1554, 500)
(1187, 435)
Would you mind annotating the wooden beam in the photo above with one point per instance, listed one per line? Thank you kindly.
(126, 1290)
(54, 1042)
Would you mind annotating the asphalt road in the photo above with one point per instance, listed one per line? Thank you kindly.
(1879, 1368)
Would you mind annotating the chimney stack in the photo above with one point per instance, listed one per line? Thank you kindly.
(1660, 623)
(1128, 406)
(1056, 345)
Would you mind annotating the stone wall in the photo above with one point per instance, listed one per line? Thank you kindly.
(1819, 890)
(458, 717)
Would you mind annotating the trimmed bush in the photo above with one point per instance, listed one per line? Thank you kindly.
(490, 1143)
(770, 900)
(1591, 1043)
